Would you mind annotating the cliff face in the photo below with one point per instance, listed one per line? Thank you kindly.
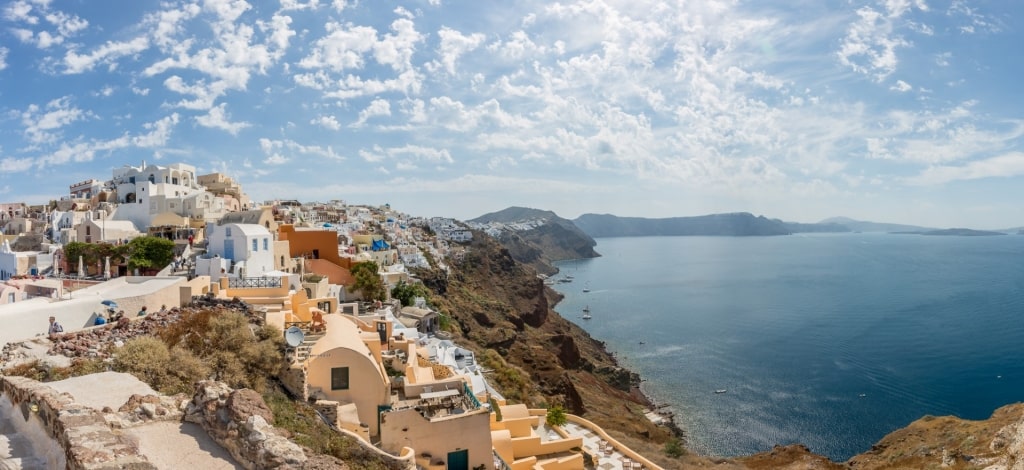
(550, 238)
(503, 311)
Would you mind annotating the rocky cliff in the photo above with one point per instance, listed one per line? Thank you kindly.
(499, 308)
(537, 238)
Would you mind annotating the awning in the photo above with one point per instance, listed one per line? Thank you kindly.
(440, 394)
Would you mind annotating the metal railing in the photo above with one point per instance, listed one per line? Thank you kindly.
(253, 282)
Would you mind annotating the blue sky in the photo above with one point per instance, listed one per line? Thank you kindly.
(889, 110)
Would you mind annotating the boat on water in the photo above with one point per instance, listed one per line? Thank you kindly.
(586, 309)
(721, 390)
(586, 316)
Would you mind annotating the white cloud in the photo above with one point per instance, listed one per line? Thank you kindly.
(298, 5)
(453, 45)
(3, 57)
(378, 107)
(1001, 166)
(973, 20)
(75, 63)
(870, 44)
(327, 122)
(15, 165)
(276, 159)
(901, 86)
(20, 10)
(41, 124)
(218, 118)
(271, 147)
(166, 24)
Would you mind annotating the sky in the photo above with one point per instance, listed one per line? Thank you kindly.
(888, 110)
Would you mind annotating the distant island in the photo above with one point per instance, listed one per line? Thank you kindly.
(953, 232)
(738, 224)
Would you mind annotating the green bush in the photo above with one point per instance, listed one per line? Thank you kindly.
(167, 370)
(674, 448)
(556, 416)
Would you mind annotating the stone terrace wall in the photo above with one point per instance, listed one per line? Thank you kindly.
(83, 433)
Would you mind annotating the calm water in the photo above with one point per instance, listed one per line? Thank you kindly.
(796, 328)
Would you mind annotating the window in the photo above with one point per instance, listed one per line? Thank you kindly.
(227, 232)
(339, 378)
(255, 244)
(266, 244)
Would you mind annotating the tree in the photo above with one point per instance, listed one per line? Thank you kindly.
(407, 292)
(149, 253)
(556, 416)
(368, 280)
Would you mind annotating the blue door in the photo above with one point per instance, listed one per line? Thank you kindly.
(229, 249)
(458, 460)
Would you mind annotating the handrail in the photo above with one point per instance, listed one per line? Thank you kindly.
(253, 282)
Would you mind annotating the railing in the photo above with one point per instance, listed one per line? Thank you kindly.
(500, 463)
(253, 282)
(304, 325)
(472, 397)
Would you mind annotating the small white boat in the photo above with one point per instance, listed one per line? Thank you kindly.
(586, 316)
(586, 309)
(721, 390)
(586, 289)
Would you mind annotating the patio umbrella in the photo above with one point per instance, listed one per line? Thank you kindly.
(110, 304)
(81, 267)
(106, 268)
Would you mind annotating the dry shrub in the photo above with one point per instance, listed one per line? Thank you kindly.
(167, 370)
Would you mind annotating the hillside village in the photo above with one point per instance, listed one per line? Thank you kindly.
(375, 368)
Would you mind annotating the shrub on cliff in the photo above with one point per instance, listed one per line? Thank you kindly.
(167, 370)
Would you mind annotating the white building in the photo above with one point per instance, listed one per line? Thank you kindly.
(14, 263)
(94, 229)
(236, 250)
(146, 191)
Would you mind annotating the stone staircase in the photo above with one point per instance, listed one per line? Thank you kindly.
(303, 350)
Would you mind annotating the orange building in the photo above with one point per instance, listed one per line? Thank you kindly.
(319, 250)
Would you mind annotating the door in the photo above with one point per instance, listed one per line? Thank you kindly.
(229, 249)
(458, 460)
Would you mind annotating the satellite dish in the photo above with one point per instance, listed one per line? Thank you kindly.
(294, 336)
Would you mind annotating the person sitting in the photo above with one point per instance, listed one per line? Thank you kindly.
(116, 316)
(142, 312)
(55, 328)
(100, 320)
(163, 309)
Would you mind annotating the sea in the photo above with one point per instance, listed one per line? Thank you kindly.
(828, 340)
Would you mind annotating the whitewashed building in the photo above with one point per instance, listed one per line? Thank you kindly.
(236, 250)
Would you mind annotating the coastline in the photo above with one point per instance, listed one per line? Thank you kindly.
(636, 380)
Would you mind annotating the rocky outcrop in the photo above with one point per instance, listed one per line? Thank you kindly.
(239, 420)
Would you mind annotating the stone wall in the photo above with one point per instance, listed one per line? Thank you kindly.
(239, 421)
(293, 378)
(83, 433)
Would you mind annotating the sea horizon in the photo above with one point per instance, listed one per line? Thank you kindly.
(827, 340)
